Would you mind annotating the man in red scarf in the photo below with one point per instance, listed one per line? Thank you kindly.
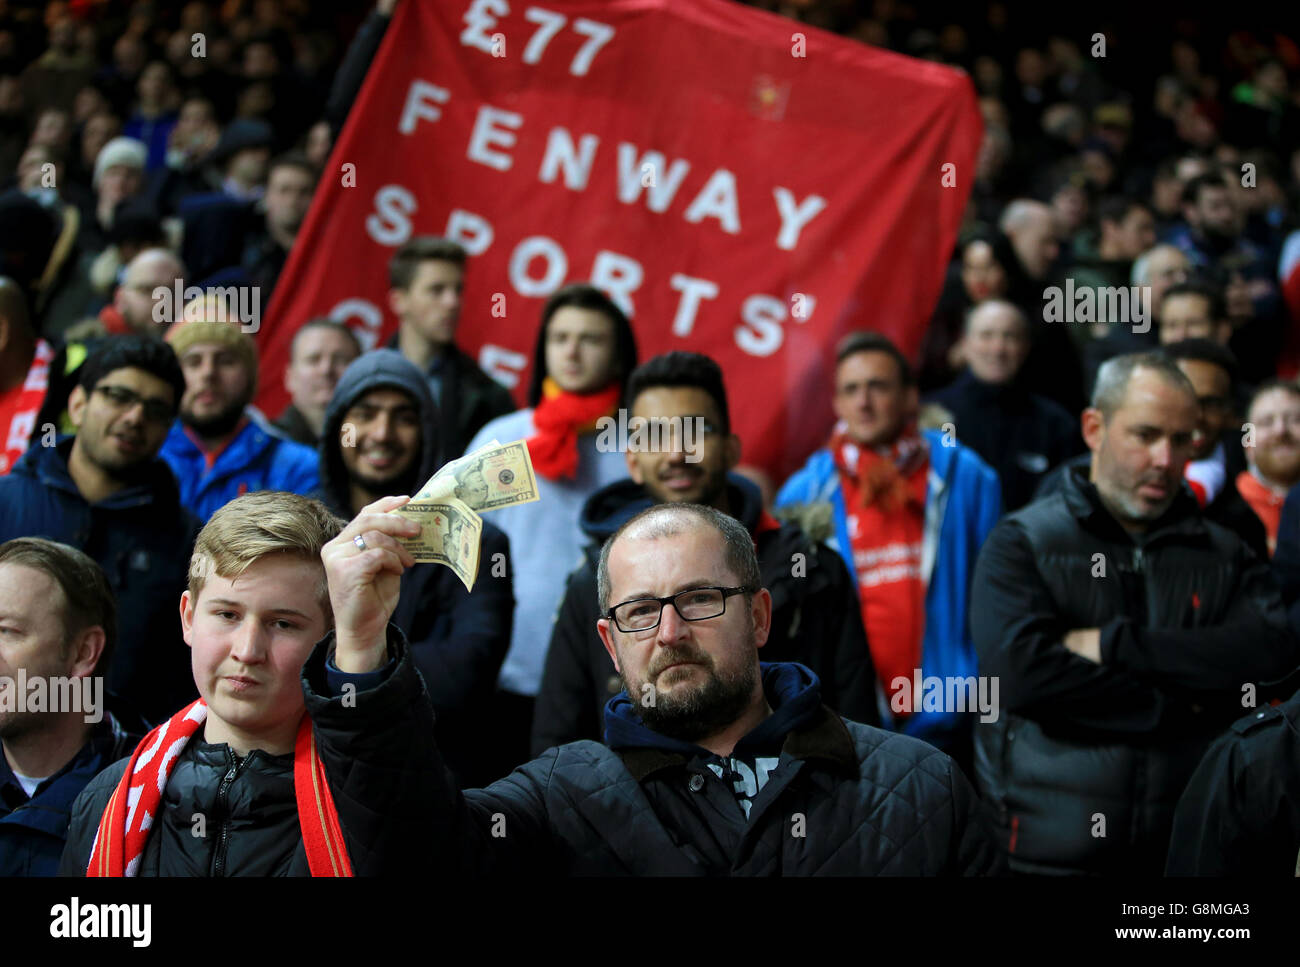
(307, 753)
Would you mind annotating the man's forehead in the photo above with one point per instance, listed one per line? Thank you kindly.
(693, 552)
(1275, 401)
(387, 397)
(276, 583)
(35, 589)
(136, 378)
(670, 401)
(1151, 398)
(200, 349)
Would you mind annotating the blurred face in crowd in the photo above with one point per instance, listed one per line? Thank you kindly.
(668, 476)
(703, 674)
(32, 171)
(218, 386)
(249, 637)
(1138, 455)
(1186, 315)
(1276, 453)
(1070, 206)
(1035, 240)
(430, 306)
(53, 130)
(871, 399)
(1133, 234)
(1167, 266)
(1213, 388)
(319, 142)
(383, 428)
(580, 349)
(1214, 212)
(151, 269)
(117, 183)
(122, 423)
(248, 167)
(320, 355)
(154, 84)
(288, 196)
(97, 132)
(996, 342)
(981, 275)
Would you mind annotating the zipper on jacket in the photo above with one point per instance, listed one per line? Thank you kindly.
(223, 811)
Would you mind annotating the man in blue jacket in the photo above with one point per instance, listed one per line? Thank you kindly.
(58, 622)
(105, 492)
(220, 448)
(908, 512)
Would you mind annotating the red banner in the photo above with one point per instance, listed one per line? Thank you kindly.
(745, 186)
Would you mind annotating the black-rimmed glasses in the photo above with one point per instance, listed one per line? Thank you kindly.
(693, 604)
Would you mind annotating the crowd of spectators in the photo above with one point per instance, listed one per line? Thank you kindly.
(1086, 487)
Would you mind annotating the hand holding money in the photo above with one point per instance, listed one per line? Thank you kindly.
(449, 534)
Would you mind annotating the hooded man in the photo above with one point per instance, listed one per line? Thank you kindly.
(381, 440)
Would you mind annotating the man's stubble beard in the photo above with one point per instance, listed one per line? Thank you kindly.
(217, 425)
(705, 710)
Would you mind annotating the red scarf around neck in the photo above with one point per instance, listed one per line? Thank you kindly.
(884, 475)
(125, 824)
(559, 418)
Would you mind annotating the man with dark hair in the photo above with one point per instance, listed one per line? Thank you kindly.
(679, 401)
(106, 492)
(1020, 434)
(584, 353)
(1125, 229)
(426, 277)
(380, 439)
(907, 510)
(1124, 628)
(59, 621)
(290, 183)
(222, 448)
(711, 754)
(321, 350)
(1193, 310)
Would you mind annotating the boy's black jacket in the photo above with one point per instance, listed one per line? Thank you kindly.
(377, 750)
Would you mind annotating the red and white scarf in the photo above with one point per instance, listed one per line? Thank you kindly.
(20, 406)
(559, 418)
(124, 827)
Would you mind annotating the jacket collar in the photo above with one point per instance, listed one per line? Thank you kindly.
(825, 738)
(49, 465)
(1183, 516)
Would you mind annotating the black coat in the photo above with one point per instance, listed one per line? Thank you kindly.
(1240, 814)
(378, 758)
(844, 799)
(1082, 749)
(1019, 434)
(816, 621)
(1227, 509)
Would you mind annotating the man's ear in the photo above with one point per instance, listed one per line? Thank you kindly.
(607, 639)
(761, 611)
(77, 401)
(87, 646)
(1094, 428)
(397, 301)
(187, 617)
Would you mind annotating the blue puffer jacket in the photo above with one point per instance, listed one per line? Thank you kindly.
(962, 503)
(142, 538)
(258, 458)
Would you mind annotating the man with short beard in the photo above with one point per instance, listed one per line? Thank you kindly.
(732, 752)
(380, 439)
(1123, 627)
(222, 448)
(816, 620)
(1273, 460)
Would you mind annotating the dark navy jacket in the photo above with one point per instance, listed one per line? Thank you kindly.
(142, 538)
(33, 831)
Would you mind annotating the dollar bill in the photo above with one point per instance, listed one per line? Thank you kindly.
(450, 533)
(495, 475)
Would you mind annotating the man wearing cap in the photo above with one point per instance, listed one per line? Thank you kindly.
(119, 174)
(221, 448)
(241, 156)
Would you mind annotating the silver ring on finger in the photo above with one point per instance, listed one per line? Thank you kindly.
(360, 542)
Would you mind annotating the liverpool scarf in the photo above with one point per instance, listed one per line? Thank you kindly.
(124, 827)
(559, 418)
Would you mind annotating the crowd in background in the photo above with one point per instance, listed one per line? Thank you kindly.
(1154, 178)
